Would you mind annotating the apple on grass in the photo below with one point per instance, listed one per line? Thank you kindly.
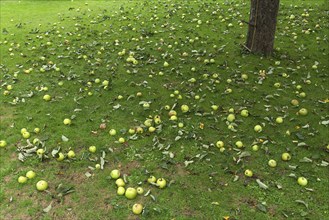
(119, 182)
(60, 156)
(272, 163)
(161, 182)
(131, 193)
(121, 190)
(112, 132)
(22, 179)
(67, 121)
(137, 209)
(92, 149)
(42, 185)
(3, 143)
(30, 174)
(302, 181)
(140, 190)
(248, 173)
(220, 144)
(40, 152)
(26, 135)
(185, 108)
(115, 174)
(258, 128)
(286, 156)
(152, 179)
(70, 154)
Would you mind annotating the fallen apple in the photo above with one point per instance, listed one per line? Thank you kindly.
(47, 97)
(255, 147)
(152, 179)
(239, 144)
(286, 156)
(26, 135)
(115, 174)
(121, 190)
(60, 156)
(40, 151)
(3, 143)
(279, 120)
(22, 179)
(185, 108)
(258, 128)
(30, 174)
(231, 117)
(220, 144)
(137, 209)
(119, 182)
(70, 154)
(112, 132)
(161, 182)
(42, 185)
(140, 190)
(248, 173)
(272, 163)
(302, 181)
(121, 140)
(244, 113)
(303, 111)
(131, 193)
(67, 121)
(92, 149)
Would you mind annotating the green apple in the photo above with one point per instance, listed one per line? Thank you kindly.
(272, 163)
(219, 144)
(97, 166)
(146, 105)
(119, 182)
(173, 118)
(286, 156)
(137, 209)
(42, 185)
(152, 179)
(112, 132)
(180, 124)
(40, 151)
(131, 193)
(294, 102)
(115, 174)
(214, 107)
(258, 128)
(172, 113)
(148, 122)
(26, 135)
(47, 97)
(67, 121)
(30, 174)
(244, 113)
(303, 111)
(121, 190)
(36, 141)
(3, 143)
(231, 117)
(165, 64)
(239, 144)
(302, 181)
(70, 154)
(121, 140)
(161, 182)
(23, 130)
(279, 120)
(140, 190)
(36, 130)
(131, 131)
(92, 149)
(60, 157)
(22, 179)
(167, 107)
(255, 147)
(152, 129)
(105, 83)
(185, 108)
(248, 173)
(139, 130)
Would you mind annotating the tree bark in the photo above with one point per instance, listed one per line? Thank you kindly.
(262, 25)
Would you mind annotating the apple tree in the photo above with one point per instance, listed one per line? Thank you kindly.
(262, 25)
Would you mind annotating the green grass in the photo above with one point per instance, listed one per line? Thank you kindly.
(202, 181)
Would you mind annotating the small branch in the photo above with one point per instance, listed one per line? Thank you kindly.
(246, 22)
(246, 47)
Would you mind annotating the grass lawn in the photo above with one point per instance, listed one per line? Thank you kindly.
(164, 89)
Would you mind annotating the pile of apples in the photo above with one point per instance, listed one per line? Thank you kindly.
(131, 192)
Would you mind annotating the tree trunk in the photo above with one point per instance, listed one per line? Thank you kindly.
(262, 24)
